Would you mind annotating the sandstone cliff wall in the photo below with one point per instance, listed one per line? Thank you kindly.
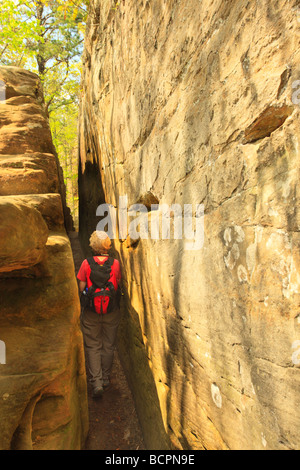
(194, 102)
(43, 400)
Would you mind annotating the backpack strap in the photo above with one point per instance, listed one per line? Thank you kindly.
(92, 262)
(110, 261)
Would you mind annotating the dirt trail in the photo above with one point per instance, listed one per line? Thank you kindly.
(113, 420)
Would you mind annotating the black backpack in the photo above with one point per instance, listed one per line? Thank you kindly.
(101, 296)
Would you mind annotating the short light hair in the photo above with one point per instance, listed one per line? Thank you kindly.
(100, 242)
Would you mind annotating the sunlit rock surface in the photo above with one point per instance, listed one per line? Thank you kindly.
(197, 102)
(43, 399)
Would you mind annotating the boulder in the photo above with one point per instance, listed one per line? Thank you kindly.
(43, 394)
(23, 122)
(23, 235)
(28, 174)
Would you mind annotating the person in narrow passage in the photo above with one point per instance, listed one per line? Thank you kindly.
(99, 285)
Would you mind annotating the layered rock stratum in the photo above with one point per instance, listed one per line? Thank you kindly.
(43, 397)
(197, 102)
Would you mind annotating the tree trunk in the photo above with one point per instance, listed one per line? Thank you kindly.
(41, 61)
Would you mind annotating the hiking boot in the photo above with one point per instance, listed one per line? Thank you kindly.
(106, 383)
(98, 392)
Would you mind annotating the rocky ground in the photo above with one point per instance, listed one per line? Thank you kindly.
(113, 420)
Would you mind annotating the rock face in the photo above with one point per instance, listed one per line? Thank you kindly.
(198, 103)
(43, 398)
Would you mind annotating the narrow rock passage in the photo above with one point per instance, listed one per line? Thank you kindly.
(113, 420)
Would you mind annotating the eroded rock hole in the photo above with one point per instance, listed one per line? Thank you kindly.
(271, 119)
(149, 200)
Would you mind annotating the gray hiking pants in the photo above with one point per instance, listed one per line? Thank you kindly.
(100, 337)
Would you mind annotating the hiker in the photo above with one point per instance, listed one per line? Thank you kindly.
(99, 285)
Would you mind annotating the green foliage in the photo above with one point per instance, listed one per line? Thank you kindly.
(64, 132)
(46, 37)
(116, 6)
(18, 27)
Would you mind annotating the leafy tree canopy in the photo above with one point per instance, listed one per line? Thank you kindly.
(46, 37)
